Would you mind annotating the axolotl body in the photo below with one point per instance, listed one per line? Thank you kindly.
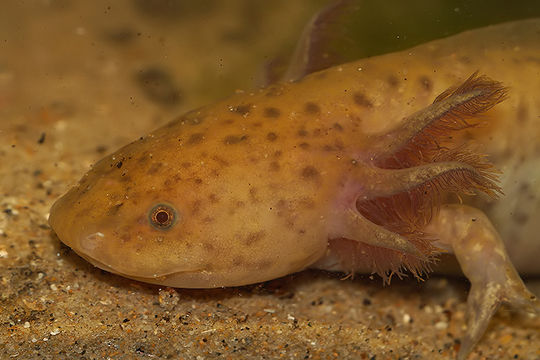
(364, 167)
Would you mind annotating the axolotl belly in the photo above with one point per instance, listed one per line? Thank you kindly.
(368, 166)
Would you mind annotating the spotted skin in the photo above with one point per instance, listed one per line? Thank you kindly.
(270, 182)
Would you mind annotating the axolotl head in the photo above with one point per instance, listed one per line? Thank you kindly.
(129, 216)
(175, 208)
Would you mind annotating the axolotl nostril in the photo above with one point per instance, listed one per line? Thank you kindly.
(369, 166)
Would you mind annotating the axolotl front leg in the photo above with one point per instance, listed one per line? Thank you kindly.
(389, 215)
(468, 233)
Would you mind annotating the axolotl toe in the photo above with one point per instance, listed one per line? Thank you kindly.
(357, 168)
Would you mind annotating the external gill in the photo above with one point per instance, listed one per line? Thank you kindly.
(405, 184)
(421, 134)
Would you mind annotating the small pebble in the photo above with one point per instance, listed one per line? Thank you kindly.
(441, 325)
(406, 318)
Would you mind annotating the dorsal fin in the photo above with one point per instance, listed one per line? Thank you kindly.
(313, 51)
(347, 30)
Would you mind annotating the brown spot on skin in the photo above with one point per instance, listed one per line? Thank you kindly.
(125, 178)
(234, 139)
(362, 100)
(214, 199)
(271, 136)
(254, 237)
(307, 203)
(522, 113)
(208, 247)
(168, 183)
(310, 173)
(220, 161)
(426, 83)
(263, 264)
(393, 81)
(271, 112)
(281, 205)
(236, 205)
(125, 238)
(238, 261)
(304, 146)
(154, 168)
(253, 195)
(176, 178)
(328, 148)
(337, 127)
(257, 124)
(312, 108)
(290, 222)
(114, 209)
(274, 166)
(208, 219)
(186, 165)
(242, 109)
(143, 158)
(302, 133)
(196, 138)
(196, 207)
(228, 122)
(198, 181)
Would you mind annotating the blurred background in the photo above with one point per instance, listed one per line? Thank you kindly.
(78, 79)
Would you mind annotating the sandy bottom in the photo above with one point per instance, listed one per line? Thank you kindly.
(79, 79)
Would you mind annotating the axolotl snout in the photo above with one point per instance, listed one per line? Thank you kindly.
(360, 167)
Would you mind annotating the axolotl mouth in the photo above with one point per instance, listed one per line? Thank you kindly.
(88, 248)
(157, 278)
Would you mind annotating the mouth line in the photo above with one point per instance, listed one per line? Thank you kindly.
(110, 269)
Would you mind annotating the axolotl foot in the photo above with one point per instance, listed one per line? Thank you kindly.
(468, 233)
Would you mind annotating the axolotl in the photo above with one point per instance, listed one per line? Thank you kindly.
(369, 166)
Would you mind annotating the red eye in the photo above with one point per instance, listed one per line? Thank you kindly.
(162, 216)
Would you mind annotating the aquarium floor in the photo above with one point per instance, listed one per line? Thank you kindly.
(68, 95)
